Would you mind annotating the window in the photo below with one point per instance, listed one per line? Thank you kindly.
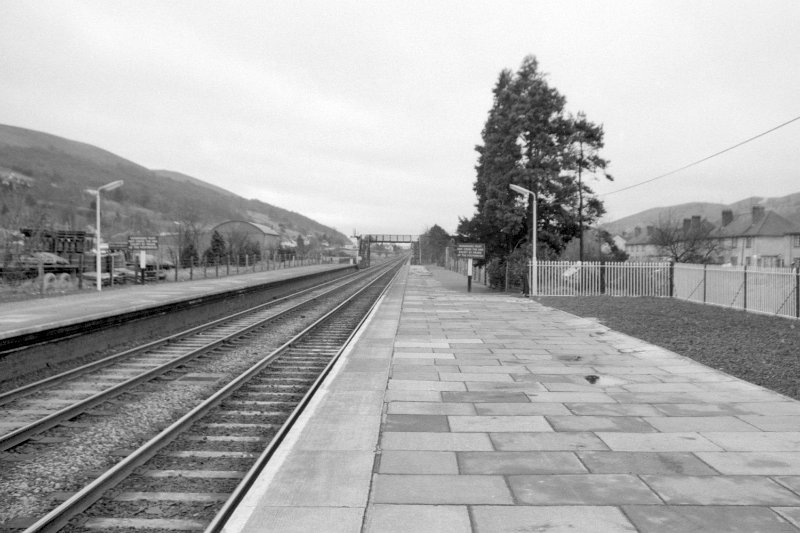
(734, 260)
(734, 242)
(748, 242)
(796, 241)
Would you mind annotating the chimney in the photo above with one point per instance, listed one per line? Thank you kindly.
(696, 223)
(687, 224)
(727, 217)
(637, 231)
(758, 213)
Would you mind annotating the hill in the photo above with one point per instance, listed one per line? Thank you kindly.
(786, 206)
(150, 202)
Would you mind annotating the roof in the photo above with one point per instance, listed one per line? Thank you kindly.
(770, 225)
(264, 229)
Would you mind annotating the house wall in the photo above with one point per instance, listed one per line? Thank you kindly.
(234, 231)
(764, 251)
(643, 252)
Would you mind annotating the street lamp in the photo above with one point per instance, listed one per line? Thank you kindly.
(106, 187)
(534, 270)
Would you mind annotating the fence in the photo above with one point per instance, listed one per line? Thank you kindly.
(45, 278)
(564, 278)
(774, 291)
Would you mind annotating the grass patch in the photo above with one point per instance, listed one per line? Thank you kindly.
(761, 349)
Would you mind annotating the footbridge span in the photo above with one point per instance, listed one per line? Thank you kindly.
(365, 241)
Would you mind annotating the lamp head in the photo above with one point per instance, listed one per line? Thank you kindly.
(520, 190)
(110, 186)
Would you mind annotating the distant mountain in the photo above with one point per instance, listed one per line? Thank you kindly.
(177, 176)
(786, 206)
(151, 201)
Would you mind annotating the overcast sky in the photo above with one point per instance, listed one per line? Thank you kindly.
(364, 115)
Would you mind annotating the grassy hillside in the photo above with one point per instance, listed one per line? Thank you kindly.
(150, 202)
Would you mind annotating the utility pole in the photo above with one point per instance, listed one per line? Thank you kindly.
(580, 204)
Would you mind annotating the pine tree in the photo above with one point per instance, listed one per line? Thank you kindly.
(529, 140)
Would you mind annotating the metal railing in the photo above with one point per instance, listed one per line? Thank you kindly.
(566, 278)
(774, 291)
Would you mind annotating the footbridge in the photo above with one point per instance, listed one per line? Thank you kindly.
(365, 241)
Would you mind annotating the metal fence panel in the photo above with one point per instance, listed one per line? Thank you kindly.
(564, 278)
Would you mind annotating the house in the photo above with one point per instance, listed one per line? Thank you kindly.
(642, 247)
(758, 238)
(238, 232)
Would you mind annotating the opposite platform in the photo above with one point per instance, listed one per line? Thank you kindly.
(30, 316)
(458, 412)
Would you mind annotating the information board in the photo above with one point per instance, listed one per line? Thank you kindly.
(471, 250)
(143, 243)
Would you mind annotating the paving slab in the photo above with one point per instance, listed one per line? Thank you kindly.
(429, 408)
(411, 422)
(706, 519)
(417, 462)
(440, 489)
(382, 518)
(552, 519)
(721, 490)
(519, 463)
(758, 463)
(581, 489)
(645, 463)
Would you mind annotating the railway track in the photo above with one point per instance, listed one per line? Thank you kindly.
(196, 462)
(37, 407)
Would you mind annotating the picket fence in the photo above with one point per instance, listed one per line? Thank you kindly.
(773, 291)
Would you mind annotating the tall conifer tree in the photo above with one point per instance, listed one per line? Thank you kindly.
(529, 140)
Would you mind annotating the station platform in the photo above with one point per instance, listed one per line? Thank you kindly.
(483, 413)
(31, 316)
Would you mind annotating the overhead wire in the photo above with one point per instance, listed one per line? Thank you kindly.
(703, 159)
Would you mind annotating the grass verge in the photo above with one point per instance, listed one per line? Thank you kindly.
(761, 349)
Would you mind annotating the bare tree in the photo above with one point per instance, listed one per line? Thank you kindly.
(687, 241)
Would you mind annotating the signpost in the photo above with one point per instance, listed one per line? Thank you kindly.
(143, 243)
(470, 251)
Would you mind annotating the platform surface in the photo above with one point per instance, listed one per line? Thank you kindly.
(28, 316)
(487, 413)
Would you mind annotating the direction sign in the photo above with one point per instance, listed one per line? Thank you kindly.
(143, 243)
(471, 250)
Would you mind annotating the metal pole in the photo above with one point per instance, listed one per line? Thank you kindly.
(534, 265)
(797, 291)
(97, 244)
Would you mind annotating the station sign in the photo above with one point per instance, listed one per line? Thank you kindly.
(471, 250)
(143, 243)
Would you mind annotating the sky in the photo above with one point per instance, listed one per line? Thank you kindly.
(365, 115)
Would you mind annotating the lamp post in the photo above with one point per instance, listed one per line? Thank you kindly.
(106, 187)
(534, 270)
